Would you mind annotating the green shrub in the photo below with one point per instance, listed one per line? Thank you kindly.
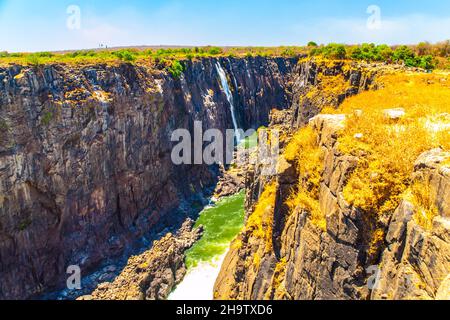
(84, 53)
(288, 52)
(404, 54)
(44, 54)
(215, 51)
(176, 69)
(312, 44)
(385, 52)
(3, 124)
(33, 60)
(427, 62)
(24, 224)
(47, 118)
(331, 51)
(371, 52)
(125, 55)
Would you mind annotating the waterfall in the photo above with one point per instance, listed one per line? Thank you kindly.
(227, 90)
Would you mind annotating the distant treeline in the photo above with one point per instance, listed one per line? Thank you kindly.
(424, 55)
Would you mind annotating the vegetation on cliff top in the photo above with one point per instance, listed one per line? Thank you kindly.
(424, 55)
(135, 55)
(387, 147)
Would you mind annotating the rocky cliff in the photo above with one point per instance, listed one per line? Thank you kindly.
(416, 261)
(155, 273)
(303, 240)
(85, 166)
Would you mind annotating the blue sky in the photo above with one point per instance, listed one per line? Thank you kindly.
(37, 25)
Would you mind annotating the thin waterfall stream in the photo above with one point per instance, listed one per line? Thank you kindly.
(221, 221)
(227, 90)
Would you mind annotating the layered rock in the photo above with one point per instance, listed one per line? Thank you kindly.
(347, 253)
(416, 262)
(307, 259)
(85, 157)
(306, 262)
(318, 84)
(155, 273)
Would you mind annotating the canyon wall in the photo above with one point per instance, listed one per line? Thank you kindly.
(294, 255)
(85, 157)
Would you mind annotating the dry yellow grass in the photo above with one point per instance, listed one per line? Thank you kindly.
(260, 222)
(304, 150)
(388, 148)
(421, 196)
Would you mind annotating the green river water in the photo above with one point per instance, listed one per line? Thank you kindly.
(221, 222)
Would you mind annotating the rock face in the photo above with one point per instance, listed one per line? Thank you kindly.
(317, 85)
(308, 262)
(85, 157)
(153, 274)
(416, 262)
(338, 258)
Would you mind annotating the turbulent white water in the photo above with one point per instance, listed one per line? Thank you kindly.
(227, 90)
(199, 282)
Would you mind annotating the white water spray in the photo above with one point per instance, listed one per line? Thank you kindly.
(226, 89)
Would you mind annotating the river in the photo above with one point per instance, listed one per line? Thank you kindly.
(222, 222)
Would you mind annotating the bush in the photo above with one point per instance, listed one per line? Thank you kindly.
(176, 69)
(215, 51)
(125, 55)
(371, 52)
(288, 52)
(385, 52)
(331, 51)
(404, 54)
(427, 62)
(33, 60)
(47, 118)
(312, 44)
(44, 54)
(88, 53)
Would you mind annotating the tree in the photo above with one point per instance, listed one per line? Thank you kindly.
(404, 54)
(423, 49)
(427, 62)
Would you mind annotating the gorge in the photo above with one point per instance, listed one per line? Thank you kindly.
(85, 157)
(86, 176)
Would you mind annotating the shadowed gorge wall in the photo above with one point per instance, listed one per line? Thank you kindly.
(85, 162)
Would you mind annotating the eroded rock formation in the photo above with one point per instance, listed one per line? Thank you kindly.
(351, 254)
(85, 157)
(416, 262)
(338, 260)
(155, 273)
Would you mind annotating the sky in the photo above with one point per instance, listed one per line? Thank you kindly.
(44, 25)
